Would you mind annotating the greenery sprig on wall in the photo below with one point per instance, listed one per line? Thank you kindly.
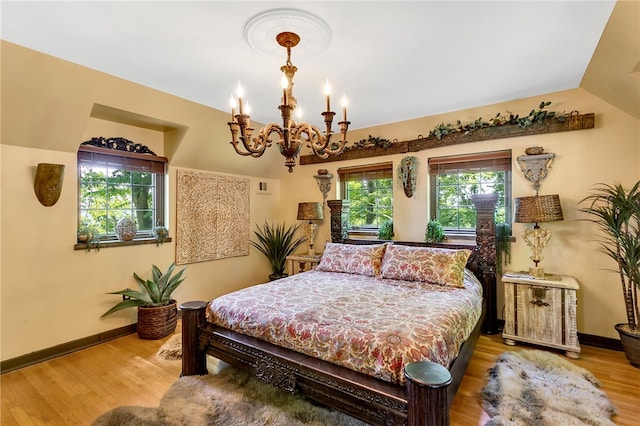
(442, 129)
(535, 116)
(373, 141)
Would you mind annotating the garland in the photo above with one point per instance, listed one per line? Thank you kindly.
(499, 120)
(442, 129)
(373, 141)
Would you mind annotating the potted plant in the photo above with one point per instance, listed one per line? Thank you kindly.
(385, 232)
(434, 232)
(276, 242)
(616, 212)
(157, 312)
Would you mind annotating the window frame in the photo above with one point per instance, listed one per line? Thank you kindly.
(345, 174)
(482, 161)
(124, 159)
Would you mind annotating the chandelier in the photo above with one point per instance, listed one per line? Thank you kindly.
(292, 135)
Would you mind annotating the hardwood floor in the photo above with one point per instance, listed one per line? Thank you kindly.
(74, 389)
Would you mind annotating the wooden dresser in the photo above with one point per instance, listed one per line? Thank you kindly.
(541, 311)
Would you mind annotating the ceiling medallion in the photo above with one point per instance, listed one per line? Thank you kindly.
(261, 29)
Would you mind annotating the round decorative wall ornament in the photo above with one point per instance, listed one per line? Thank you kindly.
(126, 229)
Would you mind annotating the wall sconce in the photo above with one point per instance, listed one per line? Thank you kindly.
(48, 183)
(324, 182)
(310, 212)
(535, 164)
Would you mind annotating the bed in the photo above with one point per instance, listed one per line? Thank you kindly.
(322, 336)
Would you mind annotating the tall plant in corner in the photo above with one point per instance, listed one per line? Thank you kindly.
(616, 212)
(276, 242)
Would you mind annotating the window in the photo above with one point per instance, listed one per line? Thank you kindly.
(455, 178)
(115, 184)
(370, 191)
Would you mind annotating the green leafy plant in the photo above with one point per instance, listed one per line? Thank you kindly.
(373, 141)
(385, 232)
(503, 245)
(152, 292)
(435, 232)
(535, 116)
(616, 212)
(276, 242)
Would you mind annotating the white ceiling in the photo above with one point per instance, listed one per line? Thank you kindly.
(394, 60)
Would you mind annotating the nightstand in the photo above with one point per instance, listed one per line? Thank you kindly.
(541, 311)
(305, 262)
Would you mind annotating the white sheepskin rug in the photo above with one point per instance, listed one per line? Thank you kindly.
(533, 387)
(227, 397)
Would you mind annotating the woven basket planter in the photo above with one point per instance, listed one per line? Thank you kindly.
(157, 322)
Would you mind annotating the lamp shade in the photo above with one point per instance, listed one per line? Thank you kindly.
(310, 211)
(540, 208)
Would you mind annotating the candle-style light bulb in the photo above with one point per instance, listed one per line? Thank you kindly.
(233, 104)
(299, 112)
(344, 107)
(285, 84)
(327, 91)
(248, 109)
(240, 93)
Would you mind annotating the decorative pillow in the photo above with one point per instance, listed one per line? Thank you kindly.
(352, 259)
(428, 264)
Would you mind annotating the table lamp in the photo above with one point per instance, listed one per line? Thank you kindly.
(539, 208)
(310, 211)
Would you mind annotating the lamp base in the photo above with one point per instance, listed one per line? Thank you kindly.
(536, 271)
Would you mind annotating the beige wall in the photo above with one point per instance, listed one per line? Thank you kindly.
(607, 153)
(52, 294)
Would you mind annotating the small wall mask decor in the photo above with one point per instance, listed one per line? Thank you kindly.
(48, 183)
(407, 175)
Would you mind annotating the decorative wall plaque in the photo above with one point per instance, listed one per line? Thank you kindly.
(212, 216)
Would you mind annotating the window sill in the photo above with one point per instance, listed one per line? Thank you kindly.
(116, 243)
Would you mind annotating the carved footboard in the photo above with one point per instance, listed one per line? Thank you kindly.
(424, 400)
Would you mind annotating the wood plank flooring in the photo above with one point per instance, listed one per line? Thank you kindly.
(74, 389)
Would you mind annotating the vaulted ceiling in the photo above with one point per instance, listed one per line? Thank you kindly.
(394, 60)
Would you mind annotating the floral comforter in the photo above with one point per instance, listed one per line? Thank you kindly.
(371, 325)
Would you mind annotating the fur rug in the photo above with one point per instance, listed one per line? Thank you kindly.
(171, 350)
(533, 387)
(228, 397)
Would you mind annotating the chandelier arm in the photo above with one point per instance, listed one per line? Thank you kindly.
(340, 145)
(322, 144)
(256, 146)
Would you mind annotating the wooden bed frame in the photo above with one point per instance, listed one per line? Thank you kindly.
(430, 388)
